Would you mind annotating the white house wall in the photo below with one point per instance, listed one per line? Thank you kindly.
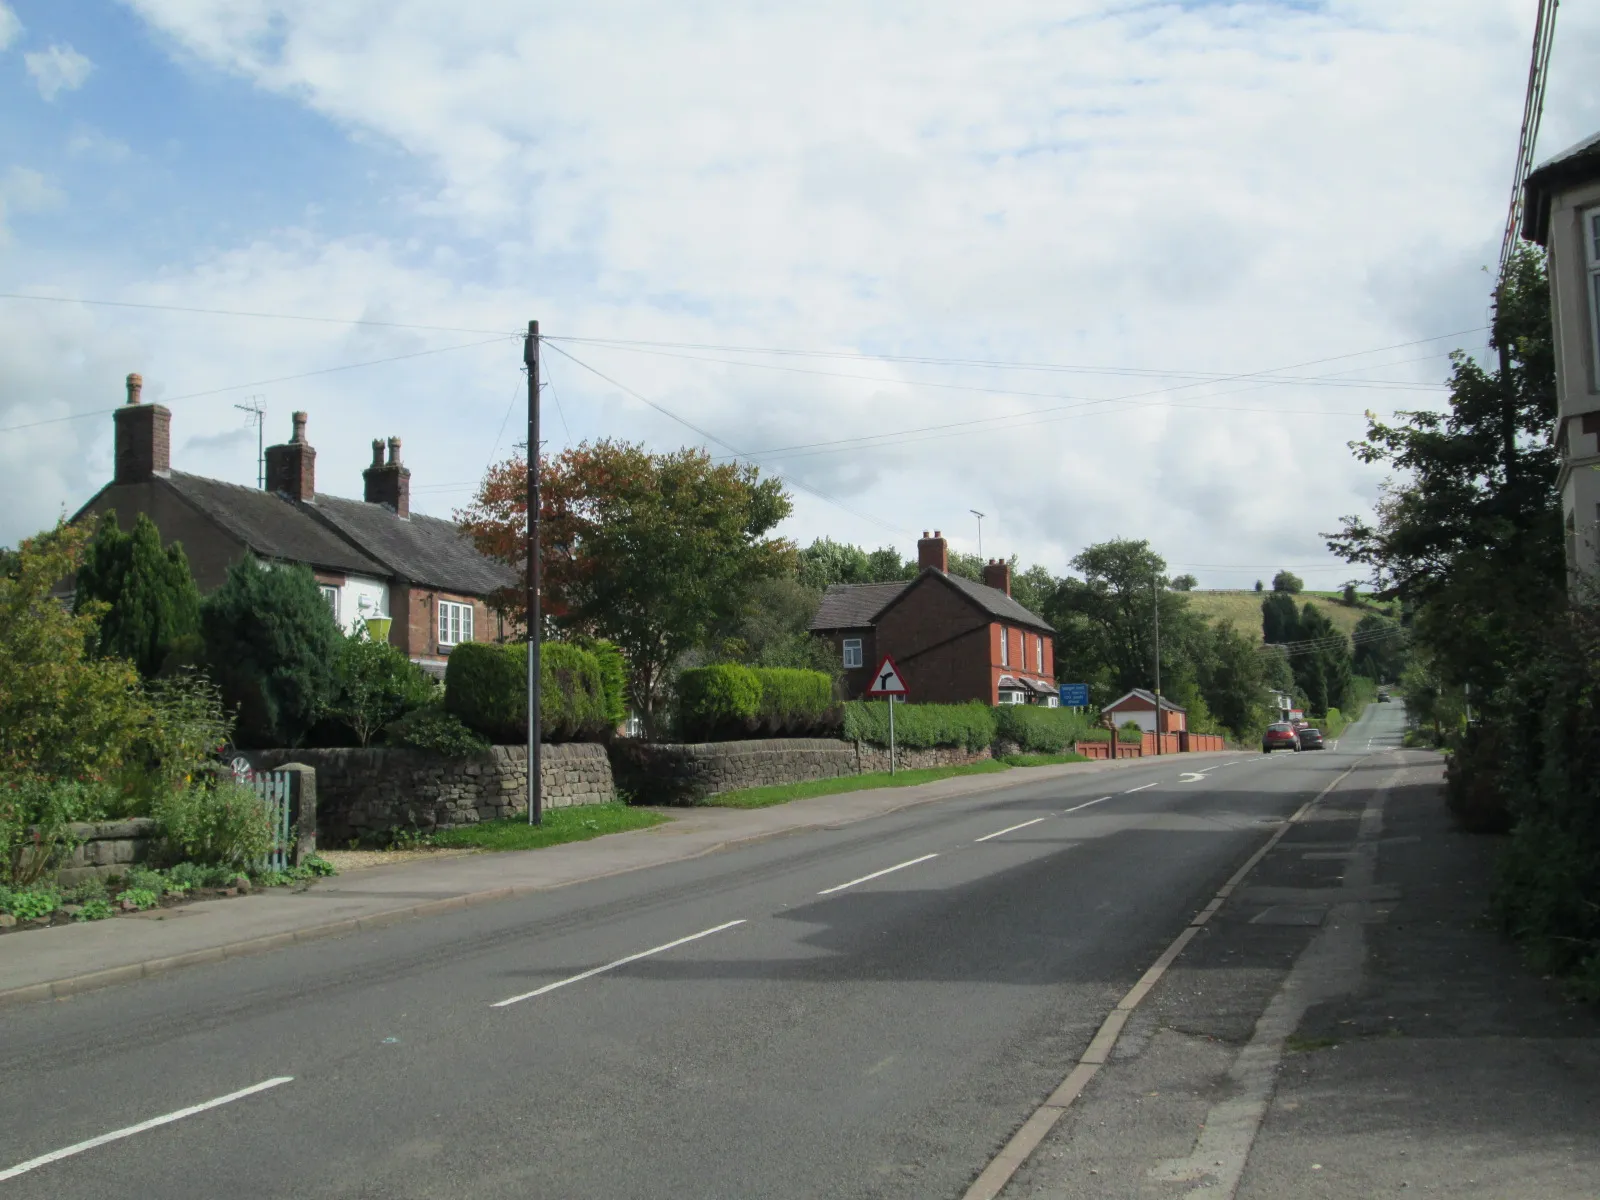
(362, 597)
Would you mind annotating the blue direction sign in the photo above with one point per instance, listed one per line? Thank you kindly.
(1074, 695)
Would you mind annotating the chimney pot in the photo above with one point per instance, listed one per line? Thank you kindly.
(998, 575)
(933, 552)
(377, 452)
(143, 441)
(299, 428)
(135, 386)
(388, 483)
(394, 452)
(292, 466)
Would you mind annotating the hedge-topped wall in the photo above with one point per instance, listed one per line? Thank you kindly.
(580, 690)
(730, 700)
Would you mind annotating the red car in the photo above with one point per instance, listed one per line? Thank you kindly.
(1280, 736)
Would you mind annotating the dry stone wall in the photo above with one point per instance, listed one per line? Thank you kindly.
(367, 794)
(108, 848)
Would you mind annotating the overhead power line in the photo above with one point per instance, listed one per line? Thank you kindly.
(1544, 25)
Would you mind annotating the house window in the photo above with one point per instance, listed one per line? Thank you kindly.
(331, 596)
(1005, 650)
(1591, 246)
(852, 652)
(1038, 654)
(455, 623)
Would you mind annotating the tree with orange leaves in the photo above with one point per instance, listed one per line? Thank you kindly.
(652, 551)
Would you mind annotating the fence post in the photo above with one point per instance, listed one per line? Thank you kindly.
(302, 810)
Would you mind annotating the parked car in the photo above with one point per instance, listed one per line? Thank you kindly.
(1309, 738)
(1279, 736)
(1383, 696)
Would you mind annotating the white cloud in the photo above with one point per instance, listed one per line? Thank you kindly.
(24, 190)
(10, 27)
(92, 144)
(58, 69)
(1162, 187)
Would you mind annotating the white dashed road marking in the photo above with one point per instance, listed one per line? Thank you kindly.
(876, 874)
(611, 966)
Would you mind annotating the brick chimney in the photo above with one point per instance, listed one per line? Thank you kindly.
(292, 467)
(933, 552)
(388, 483)
(997, 574)
(143, 439)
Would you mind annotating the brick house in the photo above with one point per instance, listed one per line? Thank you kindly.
(1139, 706)
(954, 640)
(372, 557)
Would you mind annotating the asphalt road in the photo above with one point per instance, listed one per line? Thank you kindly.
(843, 1038)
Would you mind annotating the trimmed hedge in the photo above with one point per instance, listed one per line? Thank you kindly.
(921, 726)
(1040, 730)
(1130, 734)
(718, 701)
(486, 687)
(613, 680)
(796, 703)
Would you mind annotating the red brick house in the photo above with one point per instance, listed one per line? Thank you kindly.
(954, 640)
(1139, 706)
(373, 557)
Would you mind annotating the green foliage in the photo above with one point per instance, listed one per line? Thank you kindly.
(1183, 583)
(374, 684)
(578, 823)
(35, 823)
(186, 725)
(191, 875)
(1380, 650)
(773, 630)
(1039, 730)
(272, 646)
(64, 712)
(721, 701)
(1130, 732)
(93, 910)
(92, 888)
(796, 703)
(826, 562)
(148, 597)
(920, 726)
(486, 687)
(1287, 581)
(26, 904)
(433, 729)
(138, 898)
(613, 680)
(222, 824)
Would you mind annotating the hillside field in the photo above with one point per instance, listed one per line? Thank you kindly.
(1243, 608)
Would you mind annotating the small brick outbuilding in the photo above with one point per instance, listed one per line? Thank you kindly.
(954, 640)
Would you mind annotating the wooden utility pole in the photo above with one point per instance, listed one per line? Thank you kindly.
(530, 359)
(1155, 590)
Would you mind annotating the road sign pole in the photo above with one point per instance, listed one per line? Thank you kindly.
(891, 735)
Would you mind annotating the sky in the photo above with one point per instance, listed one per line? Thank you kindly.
(1127, 269)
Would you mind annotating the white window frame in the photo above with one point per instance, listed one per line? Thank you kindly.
(1005, 646)
(1591, 256)
(1038, 653)
(455, 622)
(331, 593)
(1011, 696)
(850, 649)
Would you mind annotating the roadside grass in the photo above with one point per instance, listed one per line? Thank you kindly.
(1041, 760)
(578, 823)
(764, 797)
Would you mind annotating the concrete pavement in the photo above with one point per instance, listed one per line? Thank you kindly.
(858, 1008)
(52, 963)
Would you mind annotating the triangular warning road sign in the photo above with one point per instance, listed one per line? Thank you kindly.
(887, 681)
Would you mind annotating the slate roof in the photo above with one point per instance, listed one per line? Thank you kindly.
(270, 527)
(420, 549)
(857, 605)
(1575, 164)
(853, 605)
(1150, 699)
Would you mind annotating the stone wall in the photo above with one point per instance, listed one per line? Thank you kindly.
(108, 848)
(669, 773)
(366, 794)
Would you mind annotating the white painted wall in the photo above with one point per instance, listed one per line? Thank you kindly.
(362, 597)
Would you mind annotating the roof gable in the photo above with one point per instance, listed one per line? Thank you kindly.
(991, 601)
(1148, 698)
(854, 605)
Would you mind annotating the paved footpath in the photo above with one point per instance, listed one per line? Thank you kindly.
(1348, 1024)
(64, 960)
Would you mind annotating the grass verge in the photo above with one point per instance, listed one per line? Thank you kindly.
(782, 793)
(1041, 760)
(578, 823)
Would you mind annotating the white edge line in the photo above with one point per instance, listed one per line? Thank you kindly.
(1141, 787)
(1085, 804)
(152, 1123)
(1008, 829)
(611, 966)
(898, 866)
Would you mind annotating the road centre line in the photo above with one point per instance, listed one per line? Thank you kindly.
(1085, 804)
(1141, 787)
(1009, 829)
(117, 1134)
(877, 874)
(611, 966)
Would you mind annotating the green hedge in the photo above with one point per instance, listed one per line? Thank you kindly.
(921, 726)
(797, 703)
(1040, 730)
(613, 680)
(1130, 734)
(718, 701)
(486, 687)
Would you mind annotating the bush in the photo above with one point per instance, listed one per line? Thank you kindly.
(796, 703)
(374, 684)
(26, 903)
(1039, 730)
(273, 647)
(1130, 733)
(436, 731)
(225, 824)
(921, 726)
(719, 701)
(613, 680)
(35, 815)
(486, 687)
(179, 740)
(151, 605)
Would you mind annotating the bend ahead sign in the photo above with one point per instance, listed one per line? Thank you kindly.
(1074, 695)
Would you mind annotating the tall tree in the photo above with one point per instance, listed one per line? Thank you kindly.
(150, 600)
(651, 551)
(1280, 619)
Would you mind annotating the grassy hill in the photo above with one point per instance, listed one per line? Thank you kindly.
(1243, 608)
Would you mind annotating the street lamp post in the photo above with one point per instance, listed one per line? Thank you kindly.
(980, 517)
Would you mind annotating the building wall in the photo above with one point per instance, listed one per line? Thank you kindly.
(1143, 712)
(1020, 658)
(856, 679)
(209, 549)
(1577, 379)
(940, 642)
(416, 620)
